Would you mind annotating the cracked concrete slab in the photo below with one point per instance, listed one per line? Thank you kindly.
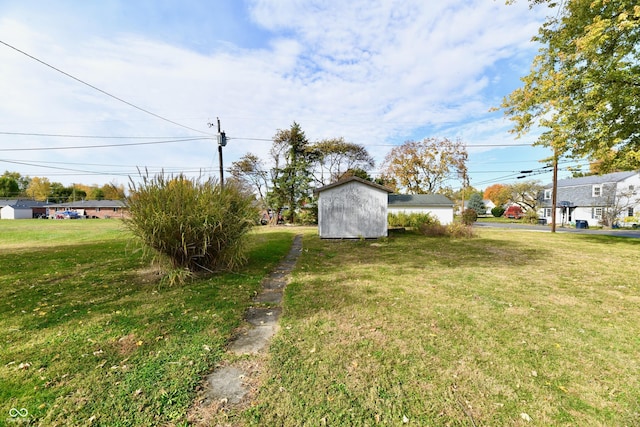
(254, 340)
(259, 316)
(226, 385)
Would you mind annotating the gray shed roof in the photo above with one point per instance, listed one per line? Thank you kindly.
(351, 179)
(419, 200)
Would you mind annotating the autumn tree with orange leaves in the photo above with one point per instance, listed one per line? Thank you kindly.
(499, 194)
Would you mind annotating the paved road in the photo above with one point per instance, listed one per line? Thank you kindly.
(617, 232)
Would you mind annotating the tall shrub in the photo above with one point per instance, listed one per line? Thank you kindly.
(193, 223)
(469, 216)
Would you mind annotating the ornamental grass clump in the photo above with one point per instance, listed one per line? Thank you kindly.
(194, 225)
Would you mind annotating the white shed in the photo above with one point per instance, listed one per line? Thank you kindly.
(352, 208)
(436, 205)
(16, 212)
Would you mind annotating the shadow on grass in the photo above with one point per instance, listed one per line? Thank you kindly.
(608, 239)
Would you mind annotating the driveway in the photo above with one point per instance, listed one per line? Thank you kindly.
(543, 228)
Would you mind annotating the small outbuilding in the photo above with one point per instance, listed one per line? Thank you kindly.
(352, 208)
(436, 205)
(16, 212)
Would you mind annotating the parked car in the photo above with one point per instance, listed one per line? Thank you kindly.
(514, 212)
(70, 215)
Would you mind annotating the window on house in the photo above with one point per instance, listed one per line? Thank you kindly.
(597, 213)
(630, 212)
(596, 190)
(632, 190)
(97, 209)
(547, 194)
(115, 209)
(547, 212)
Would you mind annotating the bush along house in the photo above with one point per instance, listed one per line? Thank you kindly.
(611, 200)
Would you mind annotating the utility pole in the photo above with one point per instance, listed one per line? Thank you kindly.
(554, 191)
(222, 141)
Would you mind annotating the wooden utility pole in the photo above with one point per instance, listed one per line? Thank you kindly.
(222, 141)
(554, 191)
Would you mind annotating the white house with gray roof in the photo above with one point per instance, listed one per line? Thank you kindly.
(436, 205)
(597, 199)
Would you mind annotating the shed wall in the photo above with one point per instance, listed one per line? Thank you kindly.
(353, 210)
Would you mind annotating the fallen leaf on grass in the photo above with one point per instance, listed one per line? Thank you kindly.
(525, 417)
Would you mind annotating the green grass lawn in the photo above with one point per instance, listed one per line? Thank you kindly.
(87, 336)
(511, 328)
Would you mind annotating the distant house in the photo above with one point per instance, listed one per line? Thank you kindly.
(436, 205)
(22, 209)
(597, 199)
(92, 208)
(488, 205)
(352, 208)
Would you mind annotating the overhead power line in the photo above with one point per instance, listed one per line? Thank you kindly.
(395, 145)
(103, 91)
(103, 145)
(90, 136)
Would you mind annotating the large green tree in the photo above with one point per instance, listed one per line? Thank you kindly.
(333, 157)
(583, 89)
(424, 167)
(291, 174)
(9, 187)
(9, 181)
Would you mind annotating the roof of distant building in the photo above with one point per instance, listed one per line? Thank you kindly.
(419, 200)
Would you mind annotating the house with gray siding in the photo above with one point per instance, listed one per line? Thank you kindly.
(597, 199)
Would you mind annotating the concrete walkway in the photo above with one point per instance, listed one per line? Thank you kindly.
(230, 384)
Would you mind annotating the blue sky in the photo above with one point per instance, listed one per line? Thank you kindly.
(377, 73)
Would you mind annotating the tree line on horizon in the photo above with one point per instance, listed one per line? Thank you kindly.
(13, 185)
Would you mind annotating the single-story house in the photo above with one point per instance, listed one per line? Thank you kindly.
(436, 205)
(352, 208)
(596, 199)
(92, 208)
(22, 209)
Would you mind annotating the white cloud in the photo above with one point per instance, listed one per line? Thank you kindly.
(372, 72)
